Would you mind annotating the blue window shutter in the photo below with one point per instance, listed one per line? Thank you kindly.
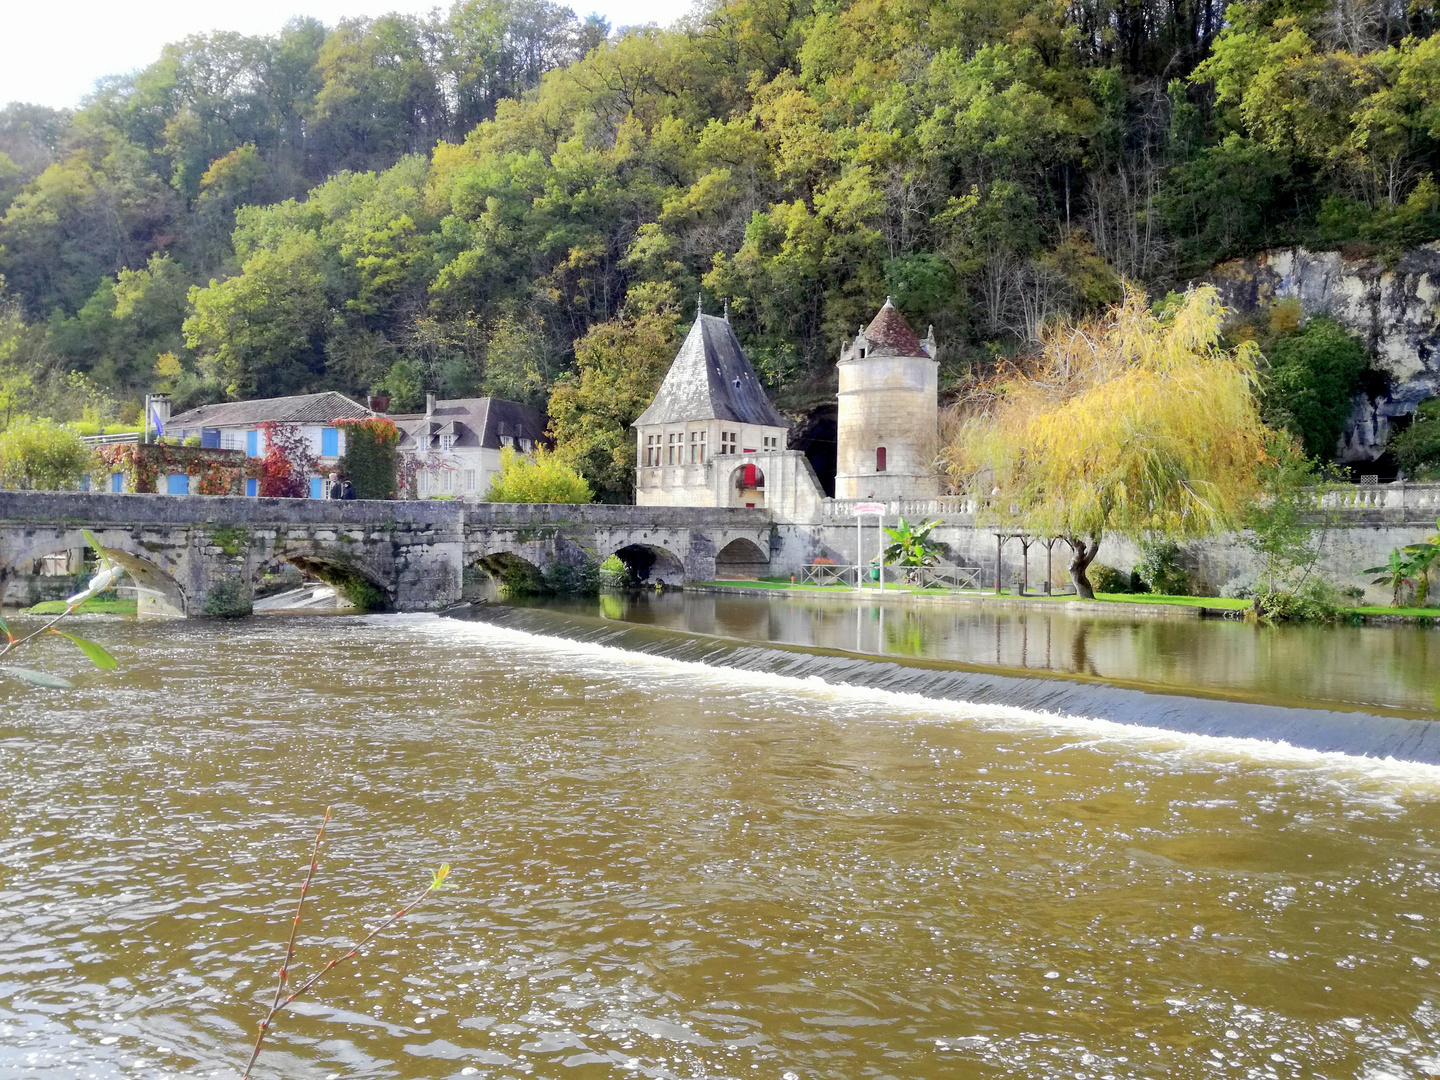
(178, 484)
(317, 488)
(252, 443)
(117, 482)
(252, 487)
(329, 442)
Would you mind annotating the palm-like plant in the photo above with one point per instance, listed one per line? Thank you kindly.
(1396, 573)
(107, 575)
(911, 544)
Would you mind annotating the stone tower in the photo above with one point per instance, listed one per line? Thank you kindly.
(889, 416)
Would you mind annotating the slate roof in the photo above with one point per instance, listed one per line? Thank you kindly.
(890, 335)
(324, 408)
(710, 379)
(486, 422)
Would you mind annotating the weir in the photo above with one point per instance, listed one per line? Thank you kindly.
(1191, 711)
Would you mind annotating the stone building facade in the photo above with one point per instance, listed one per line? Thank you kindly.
(710, 434)
(889, 415)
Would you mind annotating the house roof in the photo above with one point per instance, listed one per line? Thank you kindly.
(486, 422)
(323, 408)
(890, 335)
(710, 379)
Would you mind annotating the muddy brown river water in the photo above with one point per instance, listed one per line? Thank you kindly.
(668, 870)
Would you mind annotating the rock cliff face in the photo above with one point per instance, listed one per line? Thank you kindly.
(1396, 311)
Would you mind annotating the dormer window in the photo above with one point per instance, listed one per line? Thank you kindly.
(447, 442)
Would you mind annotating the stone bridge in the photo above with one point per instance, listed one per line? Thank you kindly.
(416, 556)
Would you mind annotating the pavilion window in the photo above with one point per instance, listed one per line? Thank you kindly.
(879, 459)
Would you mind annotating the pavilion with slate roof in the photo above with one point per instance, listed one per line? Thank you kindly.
(708, 437)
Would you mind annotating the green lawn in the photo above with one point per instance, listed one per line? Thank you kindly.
(90, 607)
(1419, 612)
(1180, 601)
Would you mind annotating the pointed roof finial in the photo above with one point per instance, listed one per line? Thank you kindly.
(888, 302)
(699, 304)
(727, 309)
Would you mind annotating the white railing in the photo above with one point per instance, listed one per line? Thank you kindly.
(919, 577)
(830, 574)
(110, 440)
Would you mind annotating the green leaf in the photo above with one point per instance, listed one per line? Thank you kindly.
(37, 678)
(100, 551)
(98, 656)
(5, 629)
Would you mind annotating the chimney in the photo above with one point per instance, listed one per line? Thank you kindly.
(429, 406)
(378, 403)
(160, 403)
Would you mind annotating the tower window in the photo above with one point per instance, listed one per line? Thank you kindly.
(673, 449)
(879, 459)
(728, 439)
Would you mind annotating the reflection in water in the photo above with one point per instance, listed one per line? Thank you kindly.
(670, 871)
(1377, 668)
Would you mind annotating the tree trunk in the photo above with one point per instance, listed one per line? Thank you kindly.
(1083, 553)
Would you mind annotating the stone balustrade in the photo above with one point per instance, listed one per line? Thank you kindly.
(1399, 503)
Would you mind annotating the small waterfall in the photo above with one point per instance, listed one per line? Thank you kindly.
(1328, 730)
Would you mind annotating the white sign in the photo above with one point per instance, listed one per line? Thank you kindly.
(868, 508)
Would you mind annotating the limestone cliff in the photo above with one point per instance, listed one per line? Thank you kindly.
(1395, 310)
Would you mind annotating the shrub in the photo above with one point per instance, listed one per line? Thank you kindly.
(1160, 568)
(371, 460)
(541, 479)
(227, 600)
(1313, 375)
(191, 440)
(42, 455)
(1315, 601)
(1106, 579)
(1417, 448)
(573, 579)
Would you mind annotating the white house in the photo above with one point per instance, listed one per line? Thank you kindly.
(455, 444)
(235, 425)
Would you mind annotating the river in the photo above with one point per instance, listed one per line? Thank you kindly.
(668, 870)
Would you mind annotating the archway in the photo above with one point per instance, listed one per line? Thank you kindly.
(747, 485)
(741, 560)
(156, 593)
(356, 584)
(650, 565)
(501, 574)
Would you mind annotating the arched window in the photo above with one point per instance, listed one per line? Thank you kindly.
(879, 459)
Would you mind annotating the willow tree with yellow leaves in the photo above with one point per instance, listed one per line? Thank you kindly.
(1139, 423)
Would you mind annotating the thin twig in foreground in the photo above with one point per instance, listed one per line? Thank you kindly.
(281, 998)
(276, 1006)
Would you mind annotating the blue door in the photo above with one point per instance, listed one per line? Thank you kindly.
(252, 487)
(178, 484)
(210, 438)
(252, 443)
(329, 442)
(117, 482)
(317, 487)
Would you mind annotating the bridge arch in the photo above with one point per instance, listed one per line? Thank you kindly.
(157, 592)
(509, 572)
(741, 559)
(651, 563)
(350, 576)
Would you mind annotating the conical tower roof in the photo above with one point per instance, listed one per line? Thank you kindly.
(890, 335)
(711, 379)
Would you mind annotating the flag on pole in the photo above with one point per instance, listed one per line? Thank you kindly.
(155, 418)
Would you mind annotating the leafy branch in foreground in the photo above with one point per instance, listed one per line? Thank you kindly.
(282, 984)
(104, 578)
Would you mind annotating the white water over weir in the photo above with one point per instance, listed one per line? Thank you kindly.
(1325, 730)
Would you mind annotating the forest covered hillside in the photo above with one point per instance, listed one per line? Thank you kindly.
(505, 198)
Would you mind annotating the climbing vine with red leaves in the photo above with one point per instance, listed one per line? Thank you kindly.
(288, 464)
